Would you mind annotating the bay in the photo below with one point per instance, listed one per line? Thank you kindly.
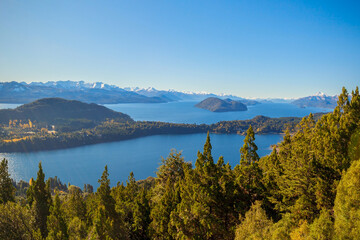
(186, 112)
(142, 156)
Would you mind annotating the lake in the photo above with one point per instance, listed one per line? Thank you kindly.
(143, 155)
(185, 112)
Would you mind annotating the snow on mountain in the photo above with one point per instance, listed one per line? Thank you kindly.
(320, 99)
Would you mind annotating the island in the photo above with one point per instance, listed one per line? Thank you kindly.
(214, 104)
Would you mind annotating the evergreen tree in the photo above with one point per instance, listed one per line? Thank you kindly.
(255, 225)
(141, 213)
(75, 206)
(40, 197)
(271, 169)
(165, 194)
(77, 229)
(248, 150)
(248, 173)
(347, 204)
(57, 228)
(323, 227)
(107, 221)
(7, 190)
(199, 214)
(15, 222)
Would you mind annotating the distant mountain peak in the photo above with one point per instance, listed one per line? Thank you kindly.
(320, 94)
(320, 100)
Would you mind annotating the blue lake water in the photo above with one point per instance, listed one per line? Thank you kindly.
(185, 112)
(143, 155)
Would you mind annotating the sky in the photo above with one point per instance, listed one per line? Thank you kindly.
(248, 48)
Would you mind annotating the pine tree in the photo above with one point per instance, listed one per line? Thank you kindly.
(57, 228)
(248, 174)
(40, 196)
(347, 205)
(165, 194)
(7, 190)
(199, 214)
(141, 213)
(248, 150)
(255, 225)
(107, 222)
(298, 180)
(75, 206)
(15, 222)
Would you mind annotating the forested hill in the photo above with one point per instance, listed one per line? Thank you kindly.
(53, 110)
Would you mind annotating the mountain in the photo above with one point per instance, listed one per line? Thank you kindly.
(320, 100)
(54, 110)
(218, 105)
(173, 95)
(15, 92)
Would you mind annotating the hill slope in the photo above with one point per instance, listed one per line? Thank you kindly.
(218, 105)
(51, 110)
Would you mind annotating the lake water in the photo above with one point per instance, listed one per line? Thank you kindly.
(185, 112)
(143, 155)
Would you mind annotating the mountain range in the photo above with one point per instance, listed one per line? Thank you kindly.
(101, 93)
(320, 100)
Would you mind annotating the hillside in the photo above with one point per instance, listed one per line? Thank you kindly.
(53, 110)
(218, 105)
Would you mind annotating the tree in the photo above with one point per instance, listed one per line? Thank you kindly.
(165, 194)
(75, 205)
(347, 205)
(200, 215)
(107, 222)
(7, 190)
(40, 197)
(323, 227)
(248, 150)
(15, 222)
(248, 174)
(57, 228)
(255, 225)
(141, 215)
(77, 229)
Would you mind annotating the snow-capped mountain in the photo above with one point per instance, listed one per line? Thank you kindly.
(173, 95)
(319, 99)
(76, 85)
(98, 92)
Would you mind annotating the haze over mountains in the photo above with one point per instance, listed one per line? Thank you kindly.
(101, 93)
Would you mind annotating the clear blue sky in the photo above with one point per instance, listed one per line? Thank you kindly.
(248, 48)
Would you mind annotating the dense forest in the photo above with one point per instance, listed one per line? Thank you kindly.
(307, 188)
